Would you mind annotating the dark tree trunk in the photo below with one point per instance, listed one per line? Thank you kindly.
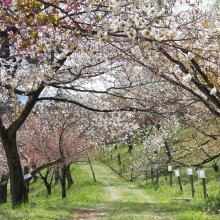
(167, 151)
(17, 185)
(90, 164)
(45, 180)
(48, 186)
(63, 181)
(3, 189)
(215, 167)
(69, 176)
(57, 176)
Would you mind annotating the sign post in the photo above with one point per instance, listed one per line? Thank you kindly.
(146, 173)
(170, 172)
(201, 175)
(157, 175)
(189, 172)
(152, 174)
(177, 174)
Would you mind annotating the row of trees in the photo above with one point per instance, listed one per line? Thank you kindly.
(157, 58)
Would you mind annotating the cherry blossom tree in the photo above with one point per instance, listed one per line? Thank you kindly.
(103, 56)
(53, 141)
(47, 45)
(176, 42)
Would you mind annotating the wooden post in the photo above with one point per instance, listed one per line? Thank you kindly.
(132, 174)
(157, 178)
(179, 180)
(152, 174)
(156, 167)
(177, 174)
(189, 172)
(111, 155)
(204, 187)
(201, 175)
(171, 180)
(170, 173)
(192, 185)
(119, 159)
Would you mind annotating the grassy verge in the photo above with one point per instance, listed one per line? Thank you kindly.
(84, 193)
(111, 197)
(197, 208)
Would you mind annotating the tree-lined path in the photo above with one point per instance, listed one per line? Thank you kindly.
(123, 200)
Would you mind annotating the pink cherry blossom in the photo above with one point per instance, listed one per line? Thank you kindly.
(6, 3)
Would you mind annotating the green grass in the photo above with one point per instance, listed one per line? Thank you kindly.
(112, 197)
(84, 193)
(198, 208)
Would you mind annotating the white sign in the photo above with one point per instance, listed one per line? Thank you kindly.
(177, 172)
(169, 168)
(156, 166)
(27, 176)
(189, 171)
(201, 174)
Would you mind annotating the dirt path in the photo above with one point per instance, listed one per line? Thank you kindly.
(124, 201)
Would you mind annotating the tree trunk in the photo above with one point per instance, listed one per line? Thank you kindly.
(69, 176)
(57, 176)
(47, 183)
(3, 189)
(48, 186)
(17, 185)
(90, 164)
(215, 167)
(63, 181)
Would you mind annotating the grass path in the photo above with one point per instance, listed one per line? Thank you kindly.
(111, 197)
(123, 200)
